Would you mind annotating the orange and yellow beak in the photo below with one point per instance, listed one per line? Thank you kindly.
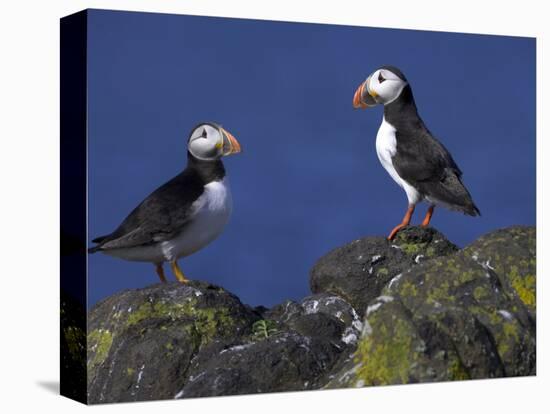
(363, 97)
(357, 98)
(230, 143)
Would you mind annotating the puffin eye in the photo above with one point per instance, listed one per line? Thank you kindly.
(381, 78)
(204, 134)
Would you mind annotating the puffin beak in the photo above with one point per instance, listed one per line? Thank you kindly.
(357, 98)
(230, 144)
(364, 100)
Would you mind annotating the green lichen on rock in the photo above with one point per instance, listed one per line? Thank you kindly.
(511, 254)
(99, 343)
(407, 288)
(197, 339)
(210, 321)
(439, 292)
(457, 371)
(412, 310)
(464, 315)
(198, 320)
(359, 271)
(479, 293)
(397, 347)
(524, 287)
(153, 311)
(409, 247)
(383, 271)
(136, 334)
(386, 357)
(419, 242)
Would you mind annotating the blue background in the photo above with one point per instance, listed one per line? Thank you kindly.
(308, 179)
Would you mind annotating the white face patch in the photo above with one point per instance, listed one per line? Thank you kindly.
(385, 85)
(206, 142)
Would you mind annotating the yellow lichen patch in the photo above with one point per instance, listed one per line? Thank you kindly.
(506, 337)
(452, 266)
(99, 342)
(456, 371)
(387, 359)
(466, 276)
(408, 289)
(440, 293)
(480, 293)
(204, 322)
(383, 271)
(401, 240)
(510, 330)
(210, 320)
(158, 310)
(505, 331)
(524, 286)
(411, 248)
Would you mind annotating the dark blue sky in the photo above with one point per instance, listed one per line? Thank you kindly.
(308, 179)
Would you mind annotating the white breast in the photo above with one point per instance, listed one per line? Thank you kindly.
(211, 213)
(386, 147)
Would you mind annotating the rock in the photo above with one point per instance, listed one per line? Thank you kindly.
(197, 340)
(285, 361)
(358, 271)
(141, 342)
(413, 310)
(452, 317)
(511, 254)
(332, 307)
(307, 340)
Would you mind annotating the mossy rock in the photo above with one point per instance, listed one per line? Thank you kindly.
(197, 340)
(306, 341)
(511, 254)
(141, 342)
(358, 271)
(450, 318)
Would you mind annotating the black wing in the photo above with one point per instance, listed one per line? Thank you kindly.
(425, 163)
(421, 157)
(159, 217)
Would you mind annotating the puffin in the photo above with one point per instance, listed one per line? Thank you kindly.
(183, 215)
(412, 156)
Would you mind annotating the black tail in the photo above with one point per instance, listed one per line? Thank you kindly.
(98, 240)
(451, 192)
(94, 249)
(471, 209)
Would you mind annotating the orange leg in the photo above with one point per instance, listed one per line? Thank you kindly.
(429, 214)
(178, 273)
(160, 272)
(404, 223)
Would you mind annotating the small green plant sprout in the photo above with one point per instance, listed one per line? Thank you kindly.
(264, 328)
